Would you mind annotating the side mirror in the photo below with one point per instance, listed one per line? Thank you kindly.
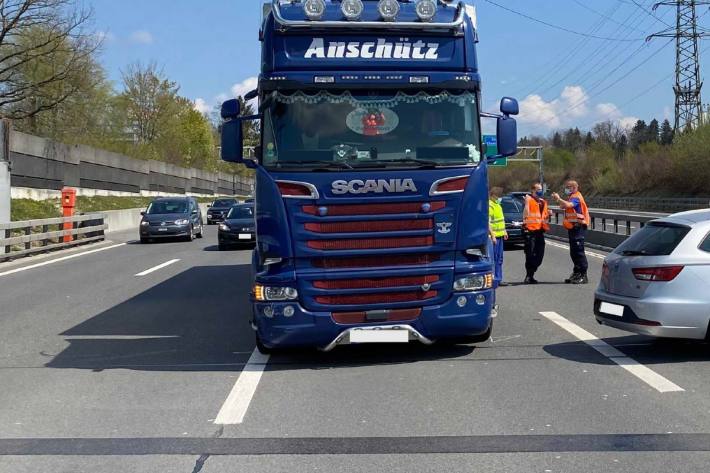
(231, 109)
(509, 106)
(209, 205)
(143, 213)
(507, 136)
(232, 140)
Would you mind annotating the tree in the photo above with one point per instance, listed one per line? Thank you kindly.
(638, 134)
(43, 43)
(608, 132)
(653, 133)
(557, 140)
(588, 140)
(149, 99)
(666, 138)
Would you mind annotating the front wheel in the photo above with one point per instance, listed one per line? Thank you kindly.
(199, 234)
(191, 235)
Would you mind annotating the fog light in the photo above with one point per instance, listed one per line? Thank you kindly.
(461, 301)
(269, 312)
(389, 9)
(352, 9)
(480, 299)
(289, 311)
(314, 9)
(426, 9)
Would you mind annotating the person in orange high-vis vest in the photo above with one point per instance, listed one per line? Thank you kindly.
(536, 221)
(576, 222)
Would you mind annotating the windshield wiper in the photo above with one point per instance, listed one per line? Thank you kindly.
(318, 164)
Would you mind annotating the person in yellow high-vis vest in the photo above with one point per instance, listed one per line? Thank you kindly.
(498, 233)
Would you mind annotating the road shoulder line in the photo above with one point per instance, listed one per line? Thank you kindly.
(642, 372)
(158, 267)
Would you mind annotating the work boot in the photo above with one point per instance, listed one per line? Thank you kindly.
(530, 280)
(580, 279)
(572, 277)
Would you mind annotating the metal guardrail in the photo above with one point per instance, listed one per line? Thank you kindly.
(649, 204)
(607, 229)
(36, 236)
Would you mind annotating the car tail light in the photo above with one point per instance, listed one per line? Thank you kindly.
(661, 273)
(292, 189)
(449, 185)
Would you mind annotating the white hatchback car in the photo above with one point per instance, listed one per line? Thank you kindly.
(658, 281)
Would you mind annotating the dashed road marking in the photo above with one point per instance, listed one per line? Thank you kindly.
(642, 372)
(57, 260)
(566, 247)
(235, 407)
(156, 268)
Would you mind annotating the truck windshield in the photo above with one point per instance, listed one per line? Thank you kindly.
(370, 129)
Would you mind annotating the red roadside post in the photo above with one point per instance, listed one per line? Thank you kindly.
(68, 204)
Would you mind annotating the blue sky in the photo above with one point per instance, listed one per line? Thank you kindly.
(562, 79)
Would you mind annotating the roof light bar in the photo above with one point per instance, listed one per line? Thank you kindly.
(314, 9)
(389, 9)
(352, 9)
(426, 9)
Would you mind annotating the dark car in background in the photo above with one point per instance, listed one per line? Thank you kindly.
(238, 228)
(171, 217)
(513, 206)
(217, 211)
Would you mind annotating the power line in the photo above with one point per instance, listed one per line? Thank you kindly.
(642, 8)
(606, 17)
(557, 27)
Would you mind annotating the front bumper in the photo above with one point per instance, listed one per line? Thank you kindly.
(170, 231)
(677, 318)
(306, 328)
(515, 234)
(232, 238)
(215, 218)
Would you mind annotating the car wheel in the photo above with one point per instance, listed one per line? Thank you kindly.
(222, 247)
(191, 235)
(145, 240)
(199, 235)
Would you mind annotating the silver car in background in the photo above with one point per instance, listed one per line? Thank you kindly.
(658, 281)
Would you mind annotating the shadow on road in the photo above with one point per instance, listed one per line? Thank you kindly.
(645, 350)
(198, 320)
(195, 320)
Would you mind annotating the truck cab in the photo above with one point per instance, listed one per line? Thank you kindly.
(371, 177)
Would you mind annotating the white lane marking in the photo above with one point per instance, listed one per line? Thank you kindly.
(566, 247)
(155, 268)
(237, 403)
(645, 374)
(57, 260)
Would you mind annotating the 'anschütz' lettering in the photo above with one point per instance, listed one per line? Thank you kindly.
(380, 49)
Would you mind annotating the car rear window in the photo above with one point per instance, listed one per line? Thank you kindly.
(511, 206)
(705, 245)
(655, 239)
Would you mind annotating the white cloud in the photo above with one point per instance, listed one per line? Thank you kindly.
(571, 109)
(201, 105)
(627, 122)
(245, 86)
(141, 37)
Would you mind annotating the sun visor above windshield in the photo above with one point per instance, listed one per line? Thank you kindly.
(324, 53)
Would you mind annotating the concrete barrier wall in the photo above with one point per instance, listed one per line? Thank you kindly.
(39, 163)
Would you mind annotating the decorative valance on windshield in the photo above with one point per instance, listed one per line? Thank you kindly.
(399, 98)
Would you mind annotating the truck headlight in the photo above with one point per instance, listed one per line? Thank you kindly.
(274, 293)
(352, 9)
(475, 282)
(389, 9)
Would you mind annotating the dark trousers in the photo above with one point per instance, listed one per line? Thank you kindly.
(576, 249)
(534, 251)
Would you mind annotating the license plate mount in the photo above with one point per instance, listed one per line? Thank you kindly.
(383, 335)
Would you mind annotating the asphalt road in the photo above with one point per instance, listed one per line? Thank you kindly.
(102, 370)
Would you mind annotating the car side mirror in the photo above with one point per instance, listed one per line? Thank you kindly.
(209, 205)
(143, 213)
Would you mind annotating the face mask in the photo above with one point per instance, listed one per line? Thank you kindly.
(568, 191)
(499, 200)
(539, 193)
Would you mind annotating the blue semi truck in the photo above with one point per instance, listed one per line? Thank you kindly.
(371, 176)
